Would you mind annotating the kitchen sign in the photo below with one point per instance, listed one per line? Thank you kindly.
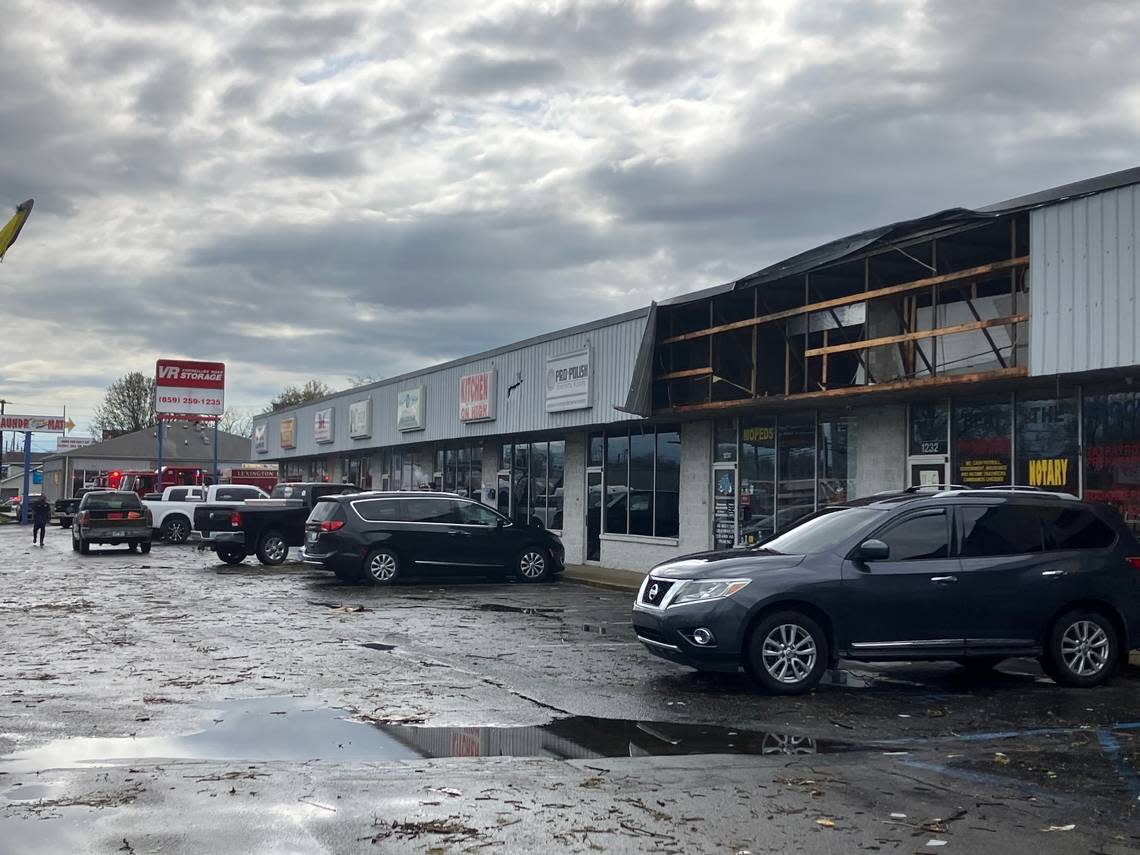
(477, 397)
(186, 387)
(323, 425)
(261, 438)
(360, 419)
(410, 409)
(289, 432)
(568, 381)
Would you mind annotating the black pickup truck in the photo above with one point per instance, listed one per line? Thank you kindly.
(66, 509)
(266, 528)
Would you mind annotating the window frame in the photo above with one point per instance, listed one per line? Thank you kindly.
(627, 434)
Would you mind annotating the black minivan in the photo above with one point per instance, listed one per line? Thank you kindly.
(380, 538)
(974, 576)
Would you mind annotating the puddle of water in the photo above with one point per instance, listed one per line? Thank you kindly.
(522, 610)
(27, 792)
(273, 729)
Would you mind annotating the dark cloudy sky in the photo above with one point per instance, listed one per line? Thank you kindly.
(363, 188)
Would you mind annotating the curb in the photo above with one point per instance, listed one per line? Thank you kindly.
(600, 577)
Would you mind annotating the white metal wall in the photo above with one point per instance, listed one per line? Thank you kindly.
(522, 409)
(1083, 285)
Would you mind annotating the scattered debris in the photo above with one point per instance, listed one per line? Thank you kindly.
(1001, 759)
(824, 822)
(375, 645)
(317, 804)
(452, 827)
(1068, 827)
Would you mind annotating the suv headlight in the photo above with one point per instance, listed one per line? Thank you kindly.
(699, 592)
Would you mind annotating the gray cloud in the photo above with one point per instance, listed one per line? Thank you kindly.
(358, 190)
(476, 74)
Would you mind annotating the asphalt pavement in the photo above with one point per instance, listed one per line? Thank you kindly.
(168, 703)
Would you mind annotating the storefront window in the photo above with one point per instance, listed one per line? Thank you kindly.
(318, 470)
(597, 450)
(837, 457)
(725, 440)
(796, 486)
(1048, 444)
(1112, 452)
(617, 484)
(641, 453)
(555, 483)
(475, 472)
(930, 428)
(982, 443)
(295, 470)
(667, 492)
(643, 482)
(450, 460)
(757, 479)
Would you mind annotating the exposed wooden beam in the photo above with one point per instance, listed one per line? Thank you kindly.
(913, 336)
(855, 392)
(688, 372)
(858, 297)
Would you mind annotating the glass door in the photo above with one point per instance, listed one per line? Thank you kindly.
(593, 514)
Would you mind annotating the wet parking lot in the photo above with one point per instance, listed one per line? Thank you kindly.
(169, 703)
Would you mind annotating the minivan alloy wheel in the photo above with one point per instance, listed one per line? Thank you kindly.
(789, 653)
(532, 564)
(382, 567)
(1084, 647)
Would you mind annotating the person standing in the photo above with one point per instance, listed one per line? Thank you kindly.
(41, 514)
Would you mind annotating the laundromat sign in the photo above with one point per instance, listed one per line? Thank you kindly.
(35, 424)
(568, 381)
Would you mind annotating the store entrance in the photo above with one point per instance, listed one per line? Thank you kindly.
(928, 471)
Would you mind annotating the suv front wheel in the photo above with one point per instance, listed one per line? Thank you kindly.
(1084, 649)
(787, 653)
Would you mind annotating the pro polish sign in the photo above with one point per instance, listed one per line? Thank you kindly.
(189, 387)
(568, 381)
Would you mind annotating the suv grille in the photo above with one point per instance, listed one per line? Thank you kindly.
(655, 591)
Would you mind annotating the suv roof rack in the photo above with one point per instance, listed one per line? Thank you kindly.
(1022, 488)
(918, 488)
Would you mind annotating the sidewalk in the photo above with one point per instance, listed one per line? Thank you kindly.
(603, 577)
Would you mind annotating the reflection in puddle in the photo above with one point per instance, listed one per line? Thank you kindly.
(269, 729)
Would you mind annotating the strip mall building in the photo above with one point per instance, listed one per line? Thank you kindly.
(978, 347)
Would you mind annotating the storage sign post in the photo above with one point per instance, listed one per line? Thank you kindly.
(477, 397)
(189, 388)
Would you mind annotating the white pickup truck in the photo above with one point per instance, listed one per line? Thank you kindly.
(174, 512)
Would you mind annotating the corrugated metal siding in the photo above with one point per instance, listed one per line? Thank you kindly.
(613, 353)
(1083, 283)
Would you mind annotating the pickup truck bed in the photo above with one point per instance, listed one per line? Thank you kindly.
(267, 528)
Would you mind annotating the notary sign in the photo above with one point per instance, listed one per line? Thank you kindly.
(34, 424)
(477, 397)
(323, 425)
(568, 381)
(187, 387)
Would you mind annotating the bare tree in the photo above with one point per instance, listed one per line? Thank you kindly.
(292, 396)
(236, 421)
(127, 406)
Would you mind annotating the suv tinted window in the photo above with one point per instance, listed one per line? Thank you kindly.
(427, 510)
(1076, 528)
(290, 491)
(1001, 530)
(472, 513)
(918, 537)
(373, 510)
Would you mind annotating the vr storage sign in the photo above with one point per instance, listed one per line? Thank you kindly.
(189, 388)
(477, 397)
(568, 381)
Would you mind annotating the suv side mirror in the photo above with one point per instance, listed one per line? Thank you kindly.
(874, 550)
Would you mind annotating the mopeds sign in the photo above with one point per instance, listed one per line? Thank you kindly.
(189, 387)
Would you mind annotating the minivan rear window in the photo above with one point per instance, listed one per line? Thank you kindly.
(325, 511)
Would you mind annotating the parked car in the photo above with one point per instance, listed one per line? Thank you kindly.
(266, 528)
(173, 512)
(66, 509)
(974, 576)
(380, 538)
(114, 517)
